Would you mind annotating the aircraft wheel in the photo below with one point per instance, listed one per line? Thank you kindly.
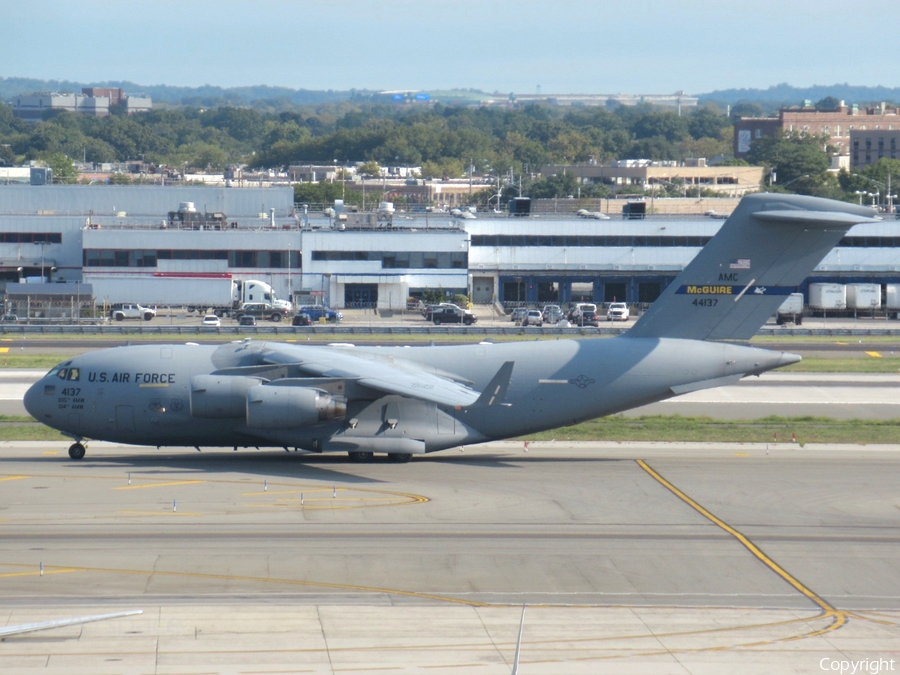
(400, 457)
(361, 457)
(76, 451)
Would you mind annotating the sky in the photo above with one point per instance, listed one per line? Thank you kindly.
(559, 46)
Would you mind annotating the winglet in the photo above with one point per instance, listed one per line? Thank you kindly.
(495, 392)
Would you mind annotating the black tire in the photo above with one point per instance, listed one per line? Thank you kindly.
(437, 322)
(148, 316)
(276, 318)
(120, 317)
(400, 457)
(361, 457)
(76, 451)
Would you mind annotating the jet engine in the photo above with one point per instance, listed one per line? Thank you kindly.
(220, 396)
(274, 407)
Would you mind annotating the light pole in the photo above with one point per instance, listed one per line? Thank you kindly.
(885, 186)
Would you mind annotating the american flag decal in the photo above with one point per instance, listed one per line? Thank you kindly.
(740, 264)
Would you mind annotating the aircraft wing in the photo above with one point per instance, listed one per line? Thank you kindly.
(6, 631)
(392, 377)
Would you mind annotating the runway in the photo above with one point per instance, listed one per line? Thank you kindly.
(631, 558)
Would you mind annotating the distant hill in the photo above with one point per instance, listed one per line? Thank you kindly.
(788, 95)
(207, 95)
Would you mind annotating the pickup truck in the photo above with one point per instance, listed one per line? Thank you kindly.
(261, 310)
(132, 311)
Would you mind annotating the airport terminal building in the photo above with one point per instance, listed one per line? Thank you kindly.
(101, 235)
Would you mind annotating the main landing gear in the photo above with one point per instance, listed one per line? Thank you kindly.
(76, 451)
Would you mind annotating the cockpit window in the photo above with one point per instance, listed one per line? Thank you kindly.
(63, 372)
(74, 374)
(57, 368)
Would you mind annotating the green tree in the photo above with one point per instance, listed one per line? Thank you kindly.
(828, 104)
(791, 156)
(63, 168)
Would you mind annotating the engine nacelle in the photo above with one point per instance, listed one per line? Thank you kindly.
(220, 396)
(273, 407)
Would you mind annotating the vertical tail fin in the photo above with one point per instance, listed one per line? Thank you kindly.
(765, 249)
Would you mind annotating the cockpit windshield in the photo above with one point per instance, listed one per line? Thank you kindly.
(63, 372)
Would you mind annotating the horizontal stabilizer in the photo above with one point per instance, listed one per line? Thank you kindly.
(763, 251)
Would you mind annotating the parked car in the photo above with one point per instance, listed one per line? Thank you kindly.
(452, 314)
(518, 314)
(261, 310)
(301, 319)
(9, 318)
(584, 314)
(316, 312)
(210, 321)
(618, 311)
(552, 314)
(247, 320)
(533, 318)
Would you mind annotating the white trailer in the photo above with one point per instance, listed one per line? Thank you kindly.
(863, 296)
(892, 296)
(827, 296)
(200, 292)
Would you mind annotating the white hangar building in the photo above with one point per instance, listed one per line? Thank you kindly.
(104, 234)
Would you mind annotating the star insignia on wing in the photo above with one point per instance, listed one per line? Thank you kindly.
(582, 381)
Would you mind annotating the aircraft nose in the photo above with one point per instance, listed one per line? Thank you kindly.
(32, 399)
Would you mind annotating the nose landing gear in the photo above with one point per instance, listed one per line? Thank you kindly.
(76, 451)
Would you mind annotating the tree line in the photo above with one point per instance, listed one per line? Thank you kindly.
(445, 141)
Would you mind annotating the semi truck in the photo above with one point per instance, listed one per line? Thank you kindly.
(213, 293)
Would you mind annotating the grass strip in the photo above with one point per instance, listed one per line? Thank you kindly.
(677, 428)
(674, 428)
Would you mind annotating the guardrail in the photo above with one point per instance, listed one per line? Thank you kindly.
(341, 330)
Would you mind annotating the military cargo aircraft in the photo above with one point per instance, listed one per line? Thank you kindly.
(403, 401)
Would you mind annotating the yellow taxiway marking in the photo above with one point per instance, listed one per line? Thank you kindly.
(838, 617)
(4, 350)
(162, 513)
(151, 485)
(13, 477)
(50, 452)
(874, 355)
(749, 545)
(742, 454)
(37, 572)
